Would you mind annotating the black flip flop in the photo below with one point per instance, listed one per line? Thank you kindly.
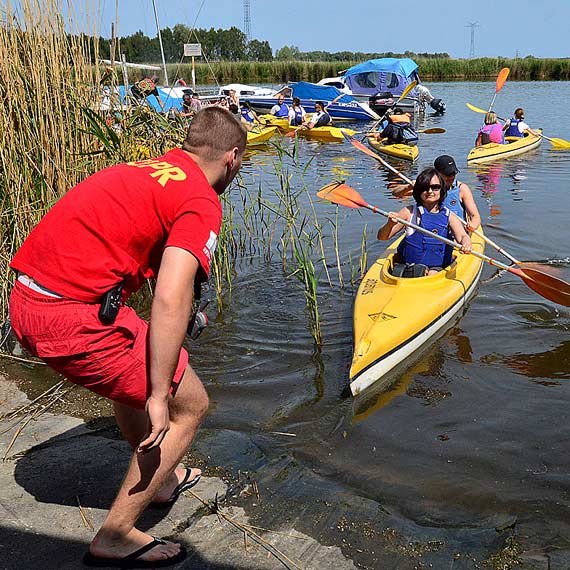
(132, 561)
(184, 485)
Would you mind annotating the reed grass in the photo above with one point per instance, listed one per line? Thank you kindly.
(430, 69)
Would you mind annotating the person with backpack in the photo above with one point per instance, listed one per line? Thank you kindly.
(399, 130)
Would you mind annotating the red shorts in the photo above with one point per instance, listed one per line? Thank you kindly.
(111, 360)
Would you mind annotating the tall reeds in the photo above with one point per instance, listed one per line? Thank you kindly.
(46, 78)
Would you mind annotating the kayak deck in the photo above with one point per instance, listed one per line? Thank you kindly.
(403, 151)
(495, 151)
(394, 317)
(260, 136)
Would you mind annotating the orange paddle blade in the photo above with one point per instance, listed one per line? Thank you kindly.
(341, 194)
(547, 286)
(501, 78)
(360, 146)
(292, 134)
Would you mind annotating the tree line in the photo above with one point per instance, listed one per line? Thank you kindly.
(225, 45)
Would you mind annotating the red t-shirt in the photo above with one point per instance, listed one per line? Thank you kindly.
(114, 226)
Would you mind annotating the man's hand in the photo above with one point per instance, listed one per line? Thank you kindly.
(159, 423)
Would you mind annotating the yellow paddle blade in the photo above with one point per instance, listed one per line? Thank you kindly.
(407, 90)
(476, 109)
(558, 143)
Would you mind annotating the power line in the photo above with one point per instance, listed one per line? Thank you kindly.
(472, 25)
(247, 19)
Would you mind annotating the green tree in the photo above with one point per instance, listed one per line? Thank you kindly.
(287, 53)
(259, 51)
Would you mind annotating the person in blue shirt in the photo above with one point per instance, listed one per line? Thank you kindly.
(428, 253)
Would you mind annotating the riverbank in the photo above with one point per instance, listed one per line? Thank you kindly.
(430, 69)
(59, 474)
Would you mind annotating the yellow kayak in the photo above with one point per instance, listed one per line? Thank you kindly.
(396, 316)
(323, 134)
(403, 151)
(260, 136)
(495, 151)
(282, 123)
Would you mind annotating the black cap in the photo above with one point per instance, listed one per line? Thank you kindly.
(445, 165)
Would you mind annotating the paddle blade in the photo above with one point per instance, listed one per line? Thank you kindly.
(291, 134)
(360, 146)
(547, 286)
(476, 109)
(342, 195)
(433, 131)
(407, 90)
(501, 78)
(558, 143)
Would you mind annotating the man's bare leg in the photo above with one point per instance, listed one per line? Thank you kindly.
(148, 472)
(133, 424)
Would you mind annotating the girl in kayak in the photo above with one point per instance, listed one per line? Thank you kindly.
(419, 254)
(516, 127)
(491, 131)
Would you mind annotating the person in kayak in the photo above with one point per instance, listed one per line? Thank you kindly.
(459, 198)
(320, 118)
(516, 127)
(419, 254)
(248, 116)
(491, 131)
(154, 219)
(280, 109)
(398, 130)
(297, 113)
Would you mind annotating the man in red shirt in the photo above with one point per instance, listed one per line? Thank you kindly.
(160, 219)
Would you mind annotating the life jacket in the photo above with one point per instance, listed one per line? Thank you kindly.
(283, 110)
(453, 201)
(321, 119)
(247, 115)
(400, 133)
(492, 134)
(146, 86)
(513, 130)
(297, 117)
(417, 247)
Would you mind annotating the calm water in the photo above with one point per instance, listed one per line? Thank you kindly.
(476, 428)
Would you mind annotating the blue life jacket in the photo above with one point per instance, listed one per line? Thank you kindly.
(247, 115)
(513, 130)
(417, 247)
(283, 111)
(298, 119)
(453, 201)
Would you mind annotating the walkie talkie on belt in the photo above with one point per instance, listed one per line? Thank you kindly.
(199, 320)
(110, 305)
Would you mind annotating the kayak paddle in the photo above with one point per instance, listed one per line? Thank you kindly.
(547, 286)
(501, 79)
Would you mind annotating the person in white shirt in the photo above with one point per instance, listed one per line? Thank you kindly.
(516, 127)
(280, 109)
(320, 118)
(297, 113)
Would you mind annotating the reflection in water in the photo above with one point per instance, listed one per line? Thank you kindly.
(553, 364)
(489, 181)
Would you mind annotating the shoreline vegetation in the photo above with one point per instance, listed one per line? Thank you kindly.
(432, 69)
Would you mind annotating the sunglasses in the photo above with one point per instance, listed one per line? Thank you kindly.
(434, 187)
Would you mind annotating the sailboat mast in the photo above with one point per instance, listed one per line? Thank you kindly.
(160, 42)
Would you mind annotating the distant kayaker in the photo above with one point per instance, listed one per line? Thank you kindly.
(399, 130)
(516, 127)
(419, 254)
(153, 219)
(458, 199)
(297, 113)
(280, 109)
(145, 88)
(491, 131)
(320, 118)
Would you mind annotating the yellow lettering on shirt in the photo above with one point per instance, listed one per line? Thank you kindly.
(164, 171)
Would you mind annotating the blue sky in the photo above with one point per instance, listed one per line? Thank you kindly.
(505, 26)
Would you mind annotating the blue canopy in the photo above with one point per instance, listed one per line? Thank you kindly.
(404, 67)
(305, 90)
(384, 75)
(168, 100)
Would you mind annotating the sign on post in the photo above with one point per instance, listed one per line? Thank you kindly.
(194, 50)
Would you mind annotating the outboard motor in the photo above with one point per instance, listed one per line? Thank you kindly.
(437, 105)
